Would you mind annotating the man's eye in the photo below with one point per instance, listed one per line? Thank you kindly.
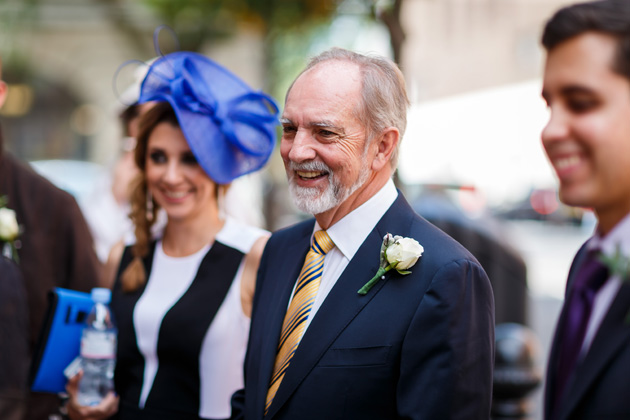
(582, 105)
(287, 129)
(326, 133)
(157, 157)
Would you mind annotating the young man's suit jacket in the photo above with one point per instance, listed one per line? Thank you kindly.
(417, 346)
(600, 388)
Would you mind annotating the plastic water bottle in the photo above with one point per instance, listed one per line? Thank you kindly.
(98, 351)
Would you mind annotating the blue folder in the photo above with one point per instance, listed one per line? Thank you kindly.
(59, 340)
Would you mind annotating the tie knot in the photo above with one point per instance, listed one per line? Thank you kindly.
(592, 274)
(322, 242)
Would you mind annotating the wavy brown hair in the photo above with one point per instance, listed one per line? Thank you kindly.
(143, 217)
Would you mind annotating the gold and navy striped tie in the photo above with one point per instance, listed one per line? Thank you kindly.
(301, 304)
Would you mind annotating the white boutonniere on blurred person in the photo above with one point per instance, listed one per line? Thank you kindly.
(9, 231)
(618, 265)
(397, 253)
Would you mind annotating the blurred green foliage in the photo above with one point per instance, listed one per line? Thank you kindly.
(220, 17)
(287, 26)
(15, 16)
(278, 21)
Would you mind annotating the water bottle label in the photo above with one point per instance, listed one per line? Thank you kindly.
(73, 368)
(98, 344)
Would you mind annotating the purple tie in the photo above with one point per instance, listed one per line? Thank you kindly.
(589, 279)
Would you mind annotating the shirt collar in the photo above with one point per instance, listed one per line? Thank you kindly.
(350, 232)
(619, 236)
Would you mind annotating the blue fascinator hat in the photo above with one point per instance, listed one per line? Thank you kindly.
(230, 128)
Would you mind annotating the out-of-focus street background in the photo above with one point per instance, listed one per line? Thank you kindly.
(471, 158)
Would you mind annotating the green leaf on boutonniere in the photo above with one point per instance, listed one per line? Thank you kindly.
(618, 265)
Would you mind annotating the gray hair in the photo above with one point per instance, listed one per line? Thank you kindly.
(384, 96)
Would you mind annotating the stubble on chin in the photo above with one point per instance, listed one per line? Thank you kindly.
(314, 201)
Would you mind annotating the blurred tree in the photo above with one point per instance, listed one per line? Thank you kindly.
(114, 11)
(15, 15)
(389, 12)
(196, 21)
(278, 21)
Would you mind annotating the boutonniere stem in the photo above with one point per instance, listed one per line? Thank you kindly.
(397, 253)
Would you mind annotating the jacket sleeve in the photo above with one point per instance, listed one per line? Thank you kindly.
(82, 267)
(448, 352)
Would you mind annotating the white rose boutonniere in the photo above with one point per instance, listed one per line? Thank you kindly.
(397, 253)
(618, 264)
(9, 230)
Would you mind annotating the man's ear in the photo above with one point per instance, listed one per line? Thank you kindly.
(3, 92)
(386, 144)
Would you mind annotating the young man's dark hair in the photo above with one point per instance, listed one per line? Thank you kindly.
(610, 17)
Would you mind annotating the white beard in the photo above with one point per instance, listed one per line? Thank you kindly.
(311, 200)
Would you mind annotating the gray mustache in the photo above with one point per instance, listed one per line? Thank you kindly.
(309, 166)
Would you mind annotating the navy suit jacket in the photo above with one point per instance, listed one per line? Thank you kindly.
(600, 388)
(417, 346)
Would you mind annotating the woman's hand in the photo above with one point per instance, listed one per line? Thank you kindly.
(105, 409)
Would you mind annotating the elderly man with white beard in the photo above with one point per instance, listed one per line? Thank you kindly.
(366, 311)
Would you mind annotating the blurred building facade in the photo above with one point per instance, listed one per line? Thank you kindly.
(458, 46)
(60, 57)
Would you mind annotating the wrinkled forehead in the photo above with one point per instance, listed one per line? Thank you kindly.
(331, 76)
(328, 91)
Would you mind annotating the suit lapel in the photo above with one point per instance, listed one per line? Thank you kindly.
(342, 304)
(552, 366)
(613, 335)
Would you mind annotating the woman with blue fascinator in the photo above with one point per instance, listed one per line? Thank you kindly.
(182, 302)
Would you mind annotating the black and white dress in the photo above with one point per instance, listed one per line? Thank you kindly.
(182, 337)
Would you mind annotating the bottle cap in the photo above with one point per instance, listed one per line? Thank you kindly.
(101, 295)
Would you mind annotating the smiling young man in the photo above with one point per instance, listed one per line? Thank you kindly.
(587, 139)
(415, 346)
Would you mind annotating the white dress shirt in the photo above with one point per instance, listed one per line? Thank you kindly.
(619, 236)
(348, 234)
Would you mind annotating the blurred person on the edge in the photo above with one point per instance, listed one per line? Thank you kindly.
(326, 342)
(587, 139)
(106, 208)
(14, 359)
(56, 249)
